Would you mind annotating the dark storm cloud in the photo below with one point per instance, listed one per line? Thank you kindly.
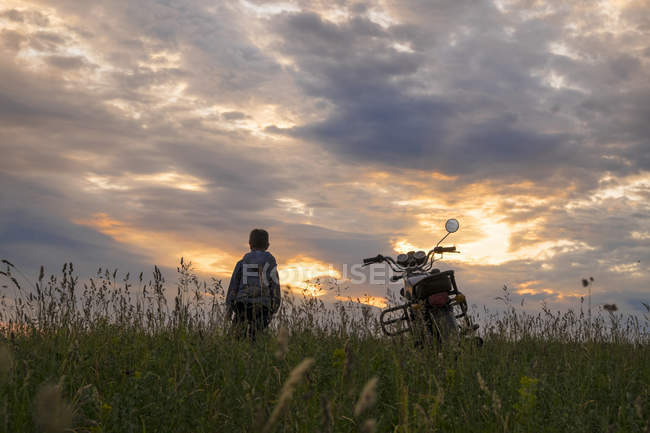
(376, 117)
(28, 98)
(481, 112)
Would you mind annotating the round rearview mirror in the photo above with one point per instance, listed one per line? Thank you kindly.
(452, 225)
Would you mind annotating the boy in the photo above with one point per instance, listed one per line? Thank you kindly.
(254, 290)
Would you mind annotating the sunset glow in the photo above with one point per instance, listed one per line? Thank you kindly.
(373, 301)
(301, 273)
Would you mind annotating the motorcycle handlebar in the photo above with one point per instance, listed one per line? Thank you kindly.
(399, 268)
(371, 260)
(444, 249)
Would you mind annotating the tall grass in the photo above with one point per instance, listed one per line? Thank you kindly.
(115, 355)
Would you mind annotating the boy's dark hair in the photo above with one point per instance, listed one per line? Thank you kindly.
(258, 239)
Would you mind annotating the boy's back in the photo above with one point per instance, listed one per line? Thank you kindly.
(245, 283)
(254, 291)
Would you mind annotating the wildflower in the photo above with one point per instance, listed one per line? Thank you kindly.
(339, 357)
(527, 395)
(368, 397)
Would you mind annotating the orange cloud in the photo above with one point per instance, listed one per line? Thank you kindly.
(492, 228)
(528, 288)
(163, 248)
(301, 274)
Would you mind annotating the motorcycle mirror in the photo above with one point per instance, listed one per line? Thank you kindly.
(452, 225)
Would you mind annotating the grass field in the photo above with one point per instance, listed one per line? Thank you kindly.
(114, 357)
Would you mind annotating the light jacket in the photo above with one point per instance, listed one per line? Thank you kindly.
(245, 282)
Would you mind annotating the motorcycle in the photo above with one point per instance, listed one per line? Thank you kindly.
(434, 306)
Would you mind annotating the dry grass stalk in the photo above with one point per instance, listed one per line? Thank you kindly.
(295, 377)
(327, 416)
(481, 383)
(6, 360)
(52, 414)
(367, 398)
(496, 401)
(283, 343)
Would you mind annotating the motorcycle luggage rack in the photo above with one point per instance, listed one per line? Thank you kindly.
(405, 317)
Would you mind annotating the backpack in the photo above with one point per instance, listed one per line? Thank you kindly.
(259, 289)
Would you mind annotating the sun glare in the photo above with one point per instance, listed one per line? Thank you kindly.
(490, 242)
(373, 301)
(403, 246)
(209, 261)
(301, 272)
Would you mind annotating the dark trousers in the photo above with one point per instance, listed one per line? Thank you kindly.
(249, 319)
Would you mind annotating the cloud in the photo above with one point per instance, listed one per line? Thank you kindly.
(139, 132)
(66, 62)
(30, 237)
(472, 96)
(12, 40)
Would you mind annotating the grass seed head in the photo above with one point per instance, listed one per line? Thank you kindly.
(369, 426)
(481, 383)
(283, 342)
(638, 406)
(295, 377)
(367, 398)
(52, 414)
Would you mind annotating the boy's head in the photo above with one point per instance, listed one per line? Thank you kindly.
(259, 239)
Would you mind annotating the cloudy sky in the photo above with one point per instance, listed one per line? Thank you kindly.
(134, 133)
